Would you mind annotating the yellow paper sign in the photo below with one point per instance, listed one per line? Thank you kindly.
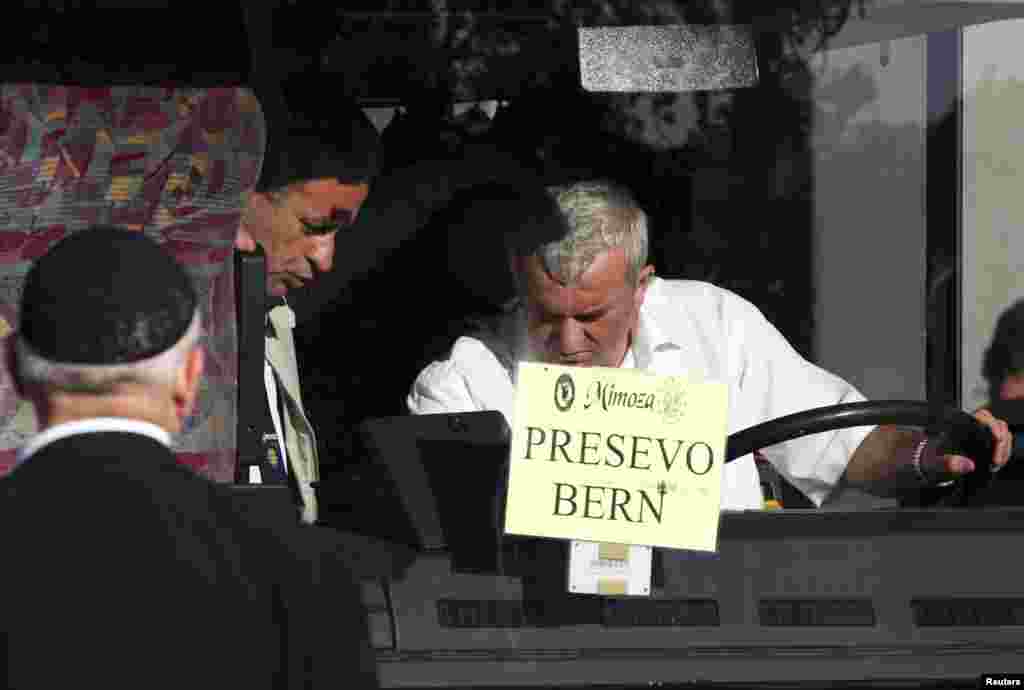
(605, 455)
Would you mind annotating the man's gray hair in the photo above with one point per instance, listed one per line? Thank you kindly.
(36, 371)
(600, 215)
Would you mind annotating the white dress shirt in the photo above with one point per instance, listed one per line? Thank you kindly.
(706, 333)
(91, 426)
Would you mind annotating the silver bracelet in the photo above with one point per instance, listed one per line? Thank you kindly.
(918, 452)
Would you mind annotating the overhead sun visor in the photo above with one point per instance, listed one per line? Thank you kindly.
(667, 58)
(152, 43)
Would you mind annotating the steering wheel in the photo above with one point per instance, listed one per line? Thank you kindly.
(958, 432)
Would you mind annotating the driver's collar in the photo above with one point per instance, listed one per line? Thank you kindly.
(650, 338)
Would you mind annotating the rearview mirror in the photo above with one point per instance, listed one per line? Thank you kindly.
(667, 58)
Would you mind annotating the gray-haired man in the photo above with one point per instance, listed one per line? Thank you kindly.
(591, 299)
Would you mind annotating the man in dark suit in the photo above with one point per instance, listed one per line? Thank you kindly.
(310, 191)
(121, 567)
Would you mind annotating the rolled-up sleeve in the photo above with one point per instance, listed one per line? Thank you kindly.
(471, 379)
(440, 388)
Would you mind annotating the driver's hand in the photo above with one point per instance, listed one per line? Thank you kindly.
(953, 466)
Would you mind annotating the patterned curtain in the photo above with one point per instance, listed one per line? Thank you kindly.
(173, 163)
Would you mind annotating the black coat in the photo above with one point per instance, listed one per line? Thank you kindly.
(121, 568)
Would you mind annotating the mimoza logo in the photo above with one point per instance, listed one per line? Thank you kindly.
(606, 395)
(565, 392)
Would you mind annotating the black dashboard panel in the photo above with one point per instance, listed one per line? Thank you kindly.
(901, 598)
